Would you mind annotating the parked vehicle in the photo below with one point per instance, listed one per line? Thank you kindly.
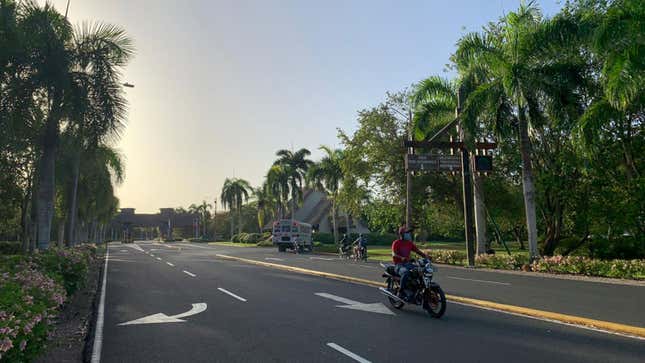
(293, 235)
(424, 292)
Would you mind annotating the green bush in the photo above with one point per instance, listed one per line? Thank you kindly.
(503, 261)
(265, 243)
(32, 290)
(325, 238)
(10, 248)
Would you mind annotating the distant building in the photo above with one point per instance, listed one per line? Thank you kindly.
(128, 225)
(315, 209)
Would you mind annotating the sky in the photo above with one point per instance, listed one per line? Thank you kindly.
(220, 86)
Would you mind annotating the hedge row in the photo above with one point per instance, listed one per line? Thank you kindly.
(373, 239)
(574, 265)
(32, 291)
(250, 237)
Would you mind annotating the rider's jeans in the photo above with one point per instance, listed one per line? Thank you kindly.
(403, 270)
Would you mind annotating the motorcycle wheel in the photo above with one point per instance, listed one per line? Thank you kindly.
(394, 288)
(434, 301)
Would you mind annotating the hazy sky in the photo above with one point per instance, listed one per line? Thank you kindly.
(222, 85)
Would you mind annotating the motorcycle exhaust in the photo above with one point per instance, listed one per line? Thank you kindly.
(387, 293)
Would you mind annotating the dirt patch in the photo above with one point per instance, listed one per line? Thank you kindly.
(68, 340)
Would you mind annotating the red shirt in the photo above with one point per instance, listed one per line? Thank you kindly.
(403, 248)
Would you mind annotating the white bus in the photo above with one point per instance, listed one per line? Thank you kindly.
(292, 234)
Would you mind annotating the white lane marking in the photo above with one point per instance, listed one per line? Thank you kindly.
(378, 308)
(192, 245)
(123, 250)
(322, 258)
(152, 255)
(273, 259)
(134, 246)
(163, 318)
(189, 274)
(231, 294)
(475, 280)
(354, 356)
(98, 334)
(159, 258)
(170, 264)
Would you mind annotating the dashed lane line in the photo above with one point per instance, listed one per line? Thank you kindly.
(231, 294)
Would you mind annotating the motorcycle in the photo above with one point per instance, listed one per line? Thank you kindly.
(424, 292)
(360, 254)
(344, 252)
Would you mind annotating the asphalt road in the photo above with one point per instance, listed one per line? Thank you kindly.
(259, 314)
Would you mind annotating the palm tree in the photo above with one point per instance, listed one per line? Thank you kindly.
(507, 83)
(265, 202)
(295, 166)
(234, 193)
(97, 102)
(435, 101)
(327, 175)
(64, 75)
(277, 186)
(203, 210)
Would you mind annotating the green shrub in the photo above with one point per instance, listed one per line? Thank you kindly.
(32, 289)
(502, 261)
(10, 248)
(626, 269)
(451, 257)
(325, 238)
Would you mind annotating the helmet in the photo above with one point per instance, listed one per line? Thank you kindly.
(404, 229)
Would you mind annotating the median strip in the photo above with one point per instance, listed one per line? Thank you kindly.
(600, 325)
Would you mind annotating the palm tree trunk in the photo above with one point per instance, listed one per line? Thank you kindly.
(70, 240)
(230, 214)
(528, 186)
(347, 221)
(239, 219)
(61, 233)
(25, 221)
(46, 188)
(480, 211)
(333, 220)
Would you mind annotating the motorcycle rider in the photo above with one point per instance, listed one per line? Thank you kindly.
(401, 249)
(361, 245)
(344, 243)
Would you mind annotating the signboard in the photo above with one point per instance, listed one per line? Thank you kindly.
(483, 163)
(430, 162)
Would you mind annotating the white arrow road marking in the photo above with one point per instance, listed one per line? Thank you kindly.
(231, 294)
(189, 273)
(354, 356)
(378, 308)
(484, 281)
(135, 246)
(170, 264)
(163, 318)
(273, 259)
(322, 258)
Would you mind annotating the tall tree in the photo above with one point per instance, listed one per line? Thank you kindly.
(235, 193)
(435, 101)
(511, 91)
(294, 165)
(327, 175)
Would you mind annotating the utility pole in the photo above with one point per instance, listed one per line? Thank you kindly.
(408, 178)
(466, 179)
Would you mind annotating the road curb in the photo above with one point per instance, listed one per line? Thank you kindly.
(616, 328)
